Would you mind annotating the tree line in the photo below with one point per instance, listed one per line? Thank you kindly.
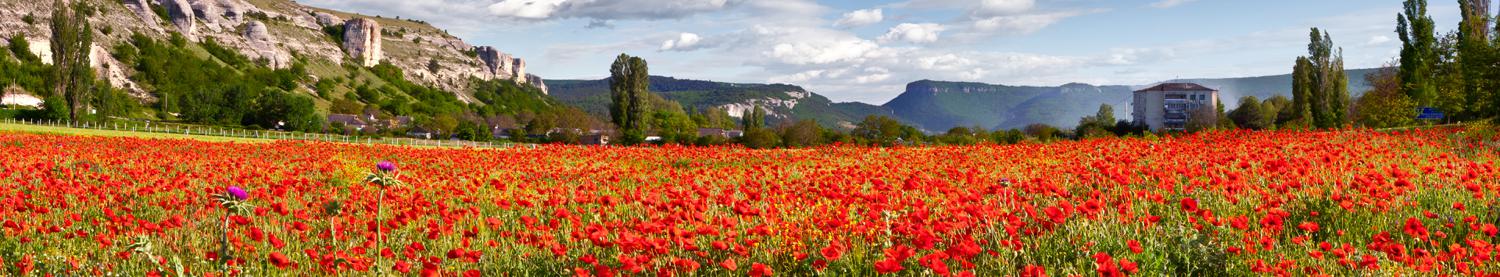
(1456, 73)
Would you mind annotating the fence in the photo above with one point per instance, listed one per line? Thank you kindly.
(195, 130)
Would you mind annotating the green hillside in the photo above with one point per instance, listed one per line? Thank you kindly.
(786, 102)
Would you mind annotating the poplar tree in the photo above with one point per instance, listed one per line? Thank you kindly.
(1418, 52)
(629, 83)
(72, 40)
(1320, 85)
(1476, 60)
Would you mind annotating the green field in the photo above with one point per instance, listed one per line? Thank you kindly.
(38, 129)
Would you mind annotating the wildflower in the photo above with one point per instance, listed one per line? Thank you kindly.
(386, 166)
(281, 261)
(238, 193)
(729, 264)
(1415, 228)
(1190, 205)
(759, 270)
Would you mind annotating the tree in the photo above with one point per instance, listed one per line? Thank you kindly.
(755, 118)
(1320, 83)
(470, 131)
(884, 131)
(1476, 60)
(1275, 108)
(1097, 125)
(961, 136)
(1202, 118)
(1418, 52)
(1042, 132)
(761, 138)
(804, 133)
(1301, 110)
(1251, 114)
(674, 127)
(1385, 105)
(1012, 136)
(72, 40)
(629, 83)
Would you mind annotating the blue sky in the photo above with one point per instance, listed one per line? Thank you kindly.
(868, 50)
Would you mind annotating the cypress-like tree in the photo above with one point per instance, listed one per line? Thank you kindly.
(72, 40)
(755, 118)
(1302, 90)
(1477, 61)
(629, 81)
(1320, 84)
(1418, 52)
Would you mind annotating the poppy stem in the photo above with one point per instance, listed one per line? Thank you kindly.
(379, 201)
(224, 245)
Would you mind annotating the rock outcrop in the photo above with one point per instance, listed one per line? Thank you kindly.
(537, 82)
(327, 19)
(362, 40)
(263, 46)
(142, 9)
(270, 32)
(182, 16)
(518, 69)
(498, 64)
(502, 66)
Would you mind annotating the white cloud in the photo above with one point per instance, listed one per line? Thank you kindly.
(684, 42)
(525, 9)
(822, 52)
(1133, 56)
(1378, 40)
(1004, 7)
(1025, 23)
(860, 18)
(945, 62)
(604, 9)
(1170, 3)
(914, 33)
(873, 75)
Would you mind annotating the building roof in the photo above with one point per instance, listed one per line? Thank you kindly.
(346, 119)
(1164, 87)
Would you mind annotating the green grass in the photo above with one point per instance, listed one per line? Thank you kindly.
(35, 129)
(54, 130)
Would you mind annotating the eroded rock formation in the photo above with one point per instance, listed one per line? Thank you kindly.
(263, 46)
(362, 40)
(182, 16)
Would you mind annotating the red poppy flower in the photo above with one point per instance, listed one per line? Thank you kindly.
(1189, 205)
(281, 261)
(760, 270)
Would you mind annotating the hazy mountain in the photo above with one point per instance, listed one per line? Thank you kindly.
(936, 106)
(784, 102)
(1231, 89)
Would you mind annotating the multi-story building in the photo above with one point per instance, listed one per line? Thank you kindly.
(1170, 106)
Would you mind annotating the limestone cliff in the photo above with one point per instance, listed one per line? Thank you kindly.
(362, 40)
(279, 33)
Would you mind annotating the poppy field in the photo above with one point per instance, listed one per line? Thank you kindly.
(1338, 203)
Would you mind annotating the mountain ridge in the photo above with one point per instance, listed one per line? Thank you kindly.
(784, 102)
(935, 106)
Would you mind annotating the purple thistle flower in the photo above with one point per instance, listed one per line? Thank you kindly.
(238, 193)
(386, 166)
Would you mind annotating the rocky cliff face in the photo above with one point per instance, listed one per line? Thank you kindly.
(362, 40)
(262, 46)
(277, 33)
(182, 16)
